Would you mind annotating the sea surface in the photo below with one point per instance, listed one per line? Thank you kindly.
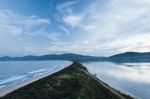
(131, 78)
(13, 72)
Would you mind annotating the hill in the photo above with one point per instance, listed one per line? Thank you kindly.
(66, 56)
(122, 57)
(130, 57)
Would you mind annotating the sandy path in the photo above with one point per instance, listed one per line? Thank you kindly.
(104, 85)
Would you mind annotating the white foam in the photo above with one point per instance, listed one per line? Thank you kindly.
(12, 79)
(17, 78)
(37, 71)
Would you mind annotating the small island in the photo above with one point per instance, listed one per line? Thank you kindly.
(72, 82)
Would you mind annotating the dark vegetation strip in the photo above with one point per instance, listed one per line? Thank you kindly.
(73, 82)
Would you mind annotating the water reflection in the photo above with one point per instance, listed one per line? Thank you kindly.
(130, 77)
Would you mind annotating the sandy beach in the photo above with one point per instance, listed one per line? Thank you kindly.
(71, 82)
(12, 87)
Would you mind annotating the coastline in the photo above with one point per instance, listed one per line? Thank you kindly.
(12, 87)
(105, 90)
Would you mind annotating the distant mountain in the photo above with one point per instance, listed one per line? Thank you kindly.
(130, 57)
(123, 57)
(66, 56)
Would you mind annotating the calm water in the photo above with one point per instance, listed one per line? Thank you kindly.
(13, 72)
(133, 78)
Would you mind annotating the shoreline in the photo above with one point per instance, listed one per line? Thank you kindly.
(37, 81)
(104, 84)
(12, 87)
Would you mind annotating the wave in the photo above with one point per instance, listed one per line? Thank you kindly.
(12, 79)
(37, 71)
(21, 77)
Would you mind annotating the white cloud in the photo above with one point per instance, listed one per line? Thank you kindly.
(113, 27)
(103, 28)
(117, 27)
(11, 22)
(73, 20)
(65, 30)
(17, 31)
(68, 13)
(63, 6)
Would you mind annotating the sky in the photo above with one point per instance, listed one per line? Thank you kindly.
(89, 27)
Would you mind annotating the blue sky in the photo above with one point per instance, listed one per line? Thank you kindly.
(91, 27)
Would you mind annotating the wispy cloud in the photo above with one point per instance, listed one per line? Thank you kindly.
(63, 7)
(65, 30)
(73, 20)
(103, 27)
(17, 24)
(18, 32)
(118, 27)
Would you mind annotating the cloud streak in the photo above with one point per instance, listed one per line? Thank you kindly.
(96, 28)
(117, 27)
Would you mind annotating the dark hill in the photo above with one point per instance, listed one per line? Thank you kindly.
(66, 56)
(131, 57)
(123, 57)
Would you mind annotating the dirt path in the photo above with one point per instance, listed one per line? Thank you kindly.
(104, 85)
